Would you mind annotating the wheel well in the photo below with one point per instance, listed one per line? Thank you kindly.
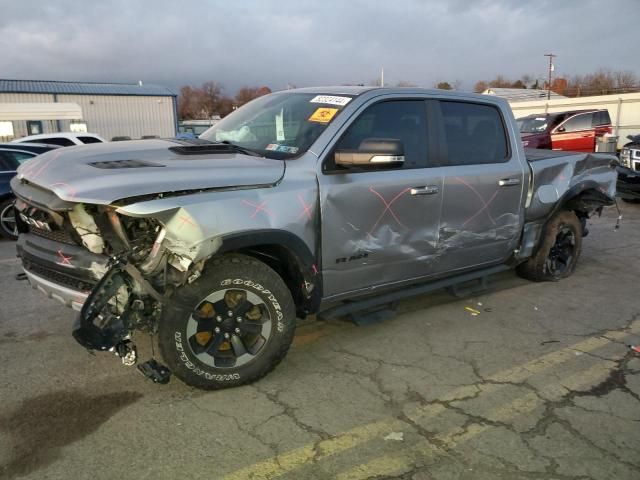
(288, 266)
(586, 202)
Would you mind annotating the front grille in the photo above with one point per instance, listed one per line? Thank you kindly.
(61, 236)
(57, 277)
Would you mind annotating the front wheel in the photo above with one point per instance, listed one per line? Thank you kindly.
(8, 226)
(558, 252)
(233, 325)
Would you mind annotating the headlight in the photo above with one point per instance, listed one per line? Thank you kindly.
(625, 156)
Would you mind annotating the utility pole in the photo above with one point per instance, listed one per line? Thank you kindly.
(382, 77)
(551, 68)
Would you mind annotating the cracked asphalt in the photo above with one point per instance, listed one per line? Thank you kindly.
(539, 385)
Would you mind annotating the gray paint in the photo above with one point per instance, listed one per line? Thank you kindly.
(234, 194)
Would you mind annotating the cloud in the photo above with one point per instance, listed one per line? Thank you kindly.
(254, 42)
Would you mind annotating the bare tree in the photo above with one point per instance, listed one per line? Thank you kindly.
(405, 83)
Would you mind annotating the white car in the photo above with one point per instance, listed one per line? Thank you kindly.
(64, 139)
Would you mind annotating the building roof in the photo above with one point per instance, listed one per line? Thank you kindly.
(83, 88)
(521, 94)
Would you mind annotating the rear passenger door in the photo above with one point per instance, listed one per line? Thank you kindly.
(483, 191)
(575, 134)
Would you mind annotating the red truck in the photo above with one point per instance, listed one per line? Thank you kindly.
(575, 130)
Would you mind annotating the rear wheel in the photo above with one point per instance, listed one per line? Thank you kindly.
(8, 226)
(559, 250)
(236, 324)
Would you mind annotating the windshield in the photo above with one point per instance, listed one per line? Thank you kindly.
(532, 124)
(281, 125)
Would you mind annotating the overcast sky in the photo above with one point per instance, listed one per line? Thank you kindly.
(301, 42)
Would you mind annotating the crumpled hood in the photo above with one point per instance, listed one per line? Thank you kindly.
(104, 173)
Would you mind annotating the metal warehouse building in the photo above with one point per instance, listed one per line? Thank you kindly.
(29, 107)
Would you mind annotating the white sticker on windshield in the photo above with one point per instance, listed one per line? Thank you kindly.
(331, 100)
(280, 126)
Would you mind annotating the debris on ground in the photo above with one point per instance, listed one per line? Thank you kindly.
(473, 311)
(635, 349)
(397, 436)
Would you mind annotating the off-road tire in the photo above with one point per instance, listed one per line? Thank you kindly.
(221, 274)
(4, 232)
(536, 268)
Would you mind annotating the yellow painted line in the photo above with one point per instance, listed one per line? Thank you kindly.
(391, 464)
(295, 459)
(396, 463)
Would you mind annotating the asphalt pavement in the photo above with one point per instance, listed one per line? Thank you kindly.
(525, 381)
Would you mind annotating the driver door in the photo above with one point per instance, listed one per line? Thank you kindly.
(380, 223)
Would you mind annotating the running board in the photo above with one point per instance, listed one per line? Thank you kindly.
(350, 307)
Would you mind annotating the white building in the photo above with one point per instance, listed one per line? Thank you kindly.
(29, 107)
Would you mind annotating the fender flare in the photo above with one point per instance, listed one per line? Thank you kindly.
(307, 263)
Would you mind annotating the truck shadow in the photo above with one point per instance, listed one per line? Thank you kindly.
(42, 425)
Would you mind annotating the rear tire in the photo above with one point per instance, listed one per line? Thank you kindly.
(236, 325)
(8, 228)
(558, 251)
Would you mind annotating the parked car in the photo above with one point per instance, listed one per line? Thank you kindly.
(629, 170)
(11, 156)
(318, 200)
(62, 139)
(575, 131)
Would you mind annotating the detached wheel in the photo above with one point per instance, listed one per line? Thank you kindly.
(234, 325)
(559, 250)
(8, 226)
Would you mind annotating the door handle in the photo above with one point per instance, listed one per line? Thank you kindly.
(508, 182)
(426, 190)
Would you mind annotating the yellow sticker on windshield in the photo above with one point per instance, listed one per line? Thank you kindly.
(323, 115)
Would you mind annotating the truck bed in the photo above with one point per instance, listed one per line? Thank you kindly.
(554, 173)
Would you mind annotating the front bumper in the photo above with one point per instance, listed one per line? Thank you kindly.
(61, 271)
(628, 185)
(71, 298)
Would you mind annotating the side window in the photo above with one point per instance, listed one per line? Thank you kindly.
(578, 123)
(601, 118)
(7, 163)
(63, 142)
(9, 160)
(89, 140)
(404, 120)
(474, 133)
(19, 157)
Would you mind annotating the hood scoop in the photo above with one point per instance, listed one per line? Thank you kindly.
(204, 149)
(113, 164)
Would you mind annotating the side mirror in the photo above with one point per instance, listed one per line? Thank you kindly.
(561, 129)
(373, 152)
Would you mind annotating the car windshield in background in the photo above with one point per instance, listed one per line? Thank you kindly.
(533, 125)
(281, 125)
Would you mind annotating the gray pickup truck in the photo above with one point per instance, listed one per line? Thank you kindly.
(319, 200)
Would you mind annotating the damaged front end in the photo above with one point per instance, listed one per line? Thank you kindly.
(118, 270)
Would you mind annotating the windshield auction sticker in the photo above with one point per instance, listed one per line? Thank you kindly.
(331, 100)
(323, 115)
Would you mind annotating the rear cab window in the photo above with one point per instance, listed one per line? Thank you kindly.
(88, 140)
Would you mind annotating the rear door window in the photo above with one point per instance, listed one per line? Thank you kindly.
(601, 118)
(473, 133)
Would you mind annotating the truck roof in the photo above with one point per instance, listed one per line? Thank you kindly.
(359, 90)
